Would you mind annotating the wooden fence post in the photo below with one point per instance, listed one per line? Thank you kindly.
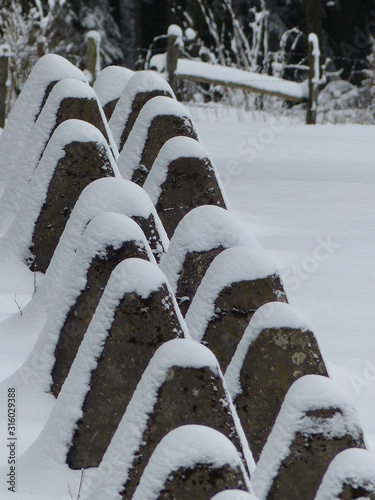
(173, 51)
(314, 79)
(4, 72)
(93, 55)
(41, 45)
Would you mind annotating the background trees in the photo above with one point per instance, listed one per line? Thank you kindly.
(247, 33)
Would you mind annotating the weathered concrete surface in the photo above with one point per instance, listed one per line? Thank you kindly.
(150, 230)
(162, 128)
(201, 482)
(351, 492)
(187, 396)
(83, 163)
(192, 272)
(301, 472)
(234, 307)
(82, 109)
(109, 108)
(277, 358)
(139, 327)
(80, 314)
(139, 101)
(190, 183)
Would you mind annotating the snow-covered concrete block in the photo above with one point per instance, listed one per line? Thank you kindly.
(45, 74)
(192, 462)
(76, 155)
(182, 385)
(68, 99)
(160, 119)
(351, 474)
(277, 348)
(109, 85)
(200, 236)
(106, 241)
(316, 422)
(81, 104)
(141, 87)
(238, 282)
(111, 194)
(118, 238)
(181, 179)
(137, 314)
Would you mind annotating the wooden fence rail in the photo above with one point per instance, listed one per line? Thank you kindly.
(198, 71)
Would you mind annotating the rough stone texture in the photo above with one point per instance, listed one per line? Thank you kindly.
(151, 232)
(201, 482)
(190, 183)
(349, 492)
(80, 314)
(81, 109)
(234, 307)
(192, 273)
(83, 163)
(301, 472)
(162, 128)
(273, 362)
(187, 396)
(109, 108)
(139, 101)
(140, 326)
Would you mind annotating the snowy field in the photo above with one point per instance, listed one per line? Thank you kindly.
(308, 195)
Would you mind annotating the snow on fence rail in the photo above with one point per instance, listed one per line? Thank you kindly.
(199, 71)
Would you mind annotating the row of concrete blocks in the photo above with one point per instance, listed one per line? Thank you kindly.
(116, 340)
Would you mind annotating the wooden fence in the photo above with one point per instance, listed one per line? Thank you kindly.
(198, 71)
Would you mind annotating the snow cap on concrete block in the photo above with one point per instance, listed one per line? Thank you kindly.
(109, 85)
(234, 495)
(111, 82)
(174, 148)
(230, 266)
(186, 447)
(310, 393)
(145, 85)
(133, 155)
(353, 468)
(48, 70)
(201, 230)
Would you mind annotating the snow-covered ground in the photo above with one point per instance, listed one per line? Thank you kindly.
(308, 195)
